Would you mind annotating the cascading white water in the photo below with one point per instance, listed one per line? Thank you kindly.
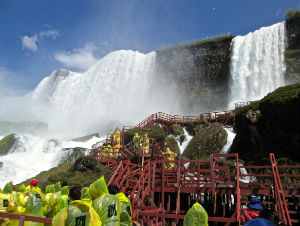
(186, 141)
(30, 155)
(257, 64)
(119, 89)
(114, 89)
(230, 137)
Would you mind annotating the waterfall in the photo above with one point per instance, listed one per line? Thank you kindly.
(230, 137)
(120, 89)
(257, 64)
(186, 141)
(31, 154)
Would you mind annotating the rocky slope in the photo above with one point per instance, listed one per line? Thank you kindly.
(270, 125)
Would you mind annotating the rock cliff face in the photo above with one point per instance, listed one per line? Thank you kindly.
(199, 70)
(270, 125)
(292, 52)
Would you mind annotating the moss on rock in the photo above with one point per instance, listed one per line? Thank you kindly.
(71, 154)
(276, 130)
(211, 139)
(194, 127)
(173, 142)
(6, 143)
(153, 132)
(177, 130)
(91, 170)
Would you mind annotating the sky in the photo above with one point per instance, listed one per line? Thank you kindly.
(40, 36)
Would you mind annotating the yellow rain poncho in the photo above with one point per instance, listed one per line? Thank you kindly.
(126, 211)
(63, 199)
(196, 216)
(5, 196)
(85, 195)
(50, 201)
(106, 205)
(34, 207)
(78, 212)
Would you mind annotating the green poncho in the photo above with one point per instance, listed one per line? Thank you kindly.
(77, 213)
(196, 216)
(126, 211)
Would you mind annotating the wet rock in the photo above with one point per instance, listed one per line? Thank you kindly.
(210, 139)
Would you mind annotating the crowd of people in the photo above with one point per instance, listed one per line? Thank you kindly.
(97, 204)
(100, 204)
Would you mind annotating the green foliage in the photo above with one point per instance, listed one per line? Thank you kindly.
(66, 172)
(292, 14)
(276, 130)
(193, 127)
(253, 106)
(153, 132)
(182, 138)
(172, 141)
(176, 129)
(281, 97)
(211, 139)
(6, 143)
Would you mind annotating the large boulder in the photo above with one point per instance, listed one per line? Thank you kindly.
(84, 171)
(71, 154)
(174, 144)
(7, 143)
(210, 139)
(153, 132)
(270, 125)
(177, 130)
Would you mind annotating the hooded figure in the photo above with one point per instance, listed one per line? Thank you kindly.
(126, 212)
(196, 216)
(254, 206)
(125, 217)
(5, 196)
(136, 140)
(85, 195)
(146, 144)
(106, 205)
(21, 199)
(50, 203)
(63, 199)
(34, 206)
(79, 212)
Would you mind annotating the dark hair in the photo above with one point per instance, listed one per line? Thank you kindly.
(269, 215)
(113, 189)
(64, 183)
(75, 192)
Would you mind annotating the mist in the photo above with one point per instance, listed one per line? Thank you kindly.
(120, 89)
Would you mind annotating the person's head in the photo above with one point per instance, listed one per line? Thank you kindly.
(64, 183)
(75, 192)
(254, 204)
(57, 186)
(113, 189)
(33, 183)
(8, 188)
(269, 215)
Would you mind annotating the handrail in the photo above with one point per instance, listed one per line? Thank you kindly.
(23, 218)
(284, 214)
